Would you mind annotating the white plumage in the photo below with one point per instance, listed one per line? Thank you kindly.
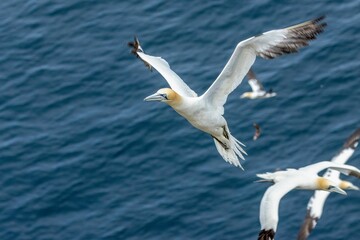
(206, 111)
(284, 181)
(317, 201)
(258, 90)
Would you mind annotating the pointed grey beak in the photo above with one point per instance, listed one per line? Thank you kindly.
(337, 190)
(154, 97)
(352, 187)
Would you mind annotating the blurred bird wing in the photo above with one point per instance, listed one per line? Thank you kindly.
(268, 45)
(349, 148)
(162, 66)
(251, 74)
(256, 85)
(353, 140)
(343, 168)
(314, 212)
(269, 206)
(317, 201)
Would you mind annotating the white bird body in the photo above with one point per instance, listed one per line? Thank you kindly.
(257, 95)
(258, 90)
(206, 111)
(203, 117)
(199, 115)
(317, 201)
(305, 178)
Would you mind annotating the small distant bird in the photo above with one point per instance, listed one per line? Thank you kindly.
(258, 90)
(206, 111)
(317, 201)
(284, 181)
(257, 131)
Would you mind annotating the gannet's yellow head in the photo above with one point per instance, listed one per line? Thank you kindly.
(166, 95)
(327, 185)
(347, 186)
(246, 95)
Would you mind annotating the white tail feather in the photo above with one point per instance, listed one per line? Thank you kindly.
(267, 177)
(232, 154)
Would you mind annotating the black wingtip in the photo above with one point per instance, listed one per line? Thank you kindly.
(353, 140)
(135, 46)
(307, 226)
(320, 25)
(266, 234)
(319, 19)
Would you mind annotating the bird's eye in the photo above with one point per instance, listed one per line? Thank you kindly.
(330, 187)
(164, 96)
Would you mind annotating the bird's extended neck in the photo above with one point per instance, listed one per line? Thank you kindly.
(322, 183)
(175, 99)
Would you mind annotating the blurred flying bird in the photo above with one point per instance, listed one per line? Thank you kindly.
(258, 90)
(257, 131)
(317, 201)
(305, 178)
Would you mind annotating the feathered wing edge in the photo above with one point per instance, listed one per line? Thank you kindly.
(266, 235)
(232, 154)
(267, 45)
(353, 140)
(163, 67)
(135, 49)
(307, 226)
(310, 222)
(266, 177)
(269, 207)
(351, 172)
(296, 36)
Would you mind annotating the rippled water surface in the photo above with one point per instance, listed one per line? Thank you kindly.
(84, 157)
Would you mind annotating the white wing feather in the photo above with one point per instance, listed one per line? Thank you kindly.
(269, 206)
(162, 66)
(267, 45)
(256, 85)
(343, 168)
(317, 201)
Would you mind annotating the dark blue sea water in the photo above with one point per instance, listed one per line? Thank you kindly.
(84, 157)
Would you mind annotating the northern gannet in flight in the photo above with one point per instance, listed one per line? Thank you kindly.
(258, 90)
(284, 181)
(317, 201)
(205, 112)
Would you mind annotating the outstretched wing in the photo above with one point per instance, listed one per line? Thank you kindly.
(175, 82)
(349, 147)
(267, 45)
(317, 201)
(313, 214)
(269, 206)
(343, 168)
(255, 84)
(353, 140)
(345, 153)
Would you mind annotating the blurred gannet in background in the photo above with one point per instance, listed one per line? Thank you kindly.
(317, 201)
(257, 131)
(206, 111)
(258, 90)
(284, 181)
